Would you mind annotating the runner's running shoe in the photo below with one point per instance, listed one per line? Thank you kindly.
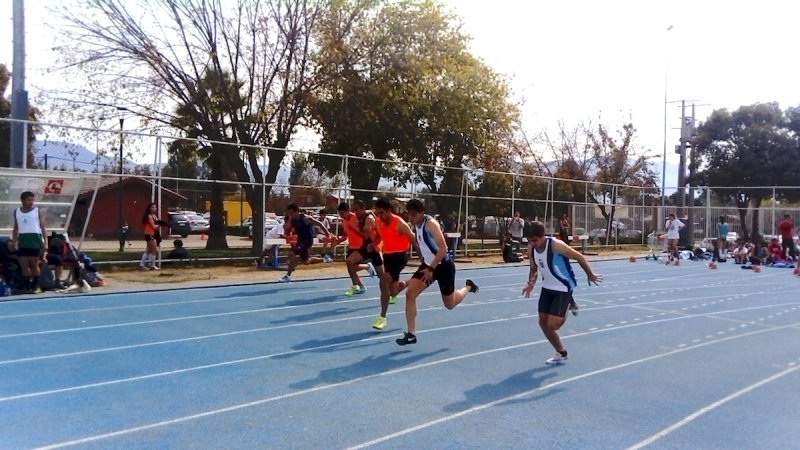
(380, 323)
(558, 358)
(407, 339)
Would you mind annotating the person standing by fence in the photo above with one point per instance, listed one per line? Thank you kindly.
(152, 236)
(516, 228)
(673, 228)
(721, 249)
(29, 238)
(785, 229)
(564, 228)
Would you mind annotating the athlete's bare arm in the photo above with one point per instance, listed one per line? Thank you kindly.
(314, 222)
(563, 249)
(404, 229)
(533, 273)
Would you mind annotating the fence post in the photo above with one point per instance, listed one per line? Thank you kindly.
(774, 204)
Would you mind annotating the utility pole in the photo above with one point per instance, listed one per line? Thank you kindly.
(687, 131)
(19, 96)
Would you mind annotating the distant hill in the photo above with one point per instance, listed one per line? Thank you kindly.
(69, 156)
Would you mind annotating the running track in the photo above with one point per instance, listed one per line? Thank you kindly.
(660, 357)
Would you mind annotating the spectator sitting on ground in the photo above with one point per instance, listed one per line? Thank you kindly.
(740, 253)
(55, 257)
(775, 252)
(698, 254)
(758, 254)
(509, 255)
(178, 252)
(8, 259)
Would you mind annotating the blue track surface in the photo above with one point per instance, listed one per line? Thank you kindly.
(662, 357)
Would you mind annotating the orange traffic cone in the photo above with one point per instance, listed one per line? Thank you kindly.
(756, 268)
(712, 265)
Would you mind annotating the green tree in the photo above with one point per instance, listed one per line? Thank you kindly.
(234, 74)
(622, 171)
(396, 82)
(746, 150)
(5, 127)
(573, 160)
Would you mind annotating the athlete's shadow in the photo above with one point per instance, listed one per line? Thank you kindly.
(369, 366)
(268, 291)
(337, 343)
(317, 315)
(516, 384)
(310, 301)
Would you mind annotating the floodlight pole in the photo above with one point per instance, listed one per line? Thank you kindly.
(122, 228)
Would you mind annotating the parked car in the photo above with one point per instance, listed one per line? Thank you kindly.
(198, 224)
(596, 234)
(269, 224)
(179, 225)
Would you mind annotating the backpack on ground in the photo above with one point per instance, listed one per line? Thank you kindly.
(47, 279)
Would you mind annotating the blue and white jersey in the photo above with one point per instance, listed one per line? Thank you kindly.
(554, 268)
(427, 244)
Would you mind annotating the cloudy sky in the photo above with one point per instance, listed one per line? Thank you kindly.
(581, 60)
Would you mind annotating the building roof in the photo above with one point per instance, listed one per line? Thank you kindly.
(110, 184)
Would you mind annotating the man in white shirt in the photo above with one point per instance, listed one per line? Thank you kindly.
(516, 228)
(269, 250)
(327, 242)
(673, 227)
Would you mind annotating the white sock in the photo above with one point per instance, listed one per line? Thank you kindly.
(144, 259)
(152, 260)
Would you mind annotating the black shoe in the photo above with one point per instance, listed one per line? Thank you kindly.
(472, 286)
(407, 338)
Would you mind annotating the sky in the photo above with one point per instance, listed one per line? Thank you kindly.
(607, 61)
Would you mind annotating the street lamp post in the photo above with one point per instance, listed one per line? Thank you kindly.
(123, 228)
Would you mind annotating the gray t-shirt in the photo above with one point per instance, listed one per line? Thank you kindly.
(516, 226)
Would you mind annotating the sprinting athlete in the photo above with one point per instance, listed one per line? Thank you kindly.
(550, 258)
(396, 237)
(355, 235)
(303, 227)
(436, 266)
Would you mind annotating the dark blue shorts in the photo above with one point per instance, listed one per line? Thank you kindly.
(555, 303)
(301, 249)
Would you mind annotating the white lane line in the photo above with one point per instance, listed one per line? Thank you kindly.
(257, 330)
(262, 401)
(156, 305)
(691, 417)
(291, 352)
(502, 274)
(541, 388)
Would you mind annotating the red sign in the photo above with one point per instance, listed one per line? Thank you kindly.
(53, 186)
